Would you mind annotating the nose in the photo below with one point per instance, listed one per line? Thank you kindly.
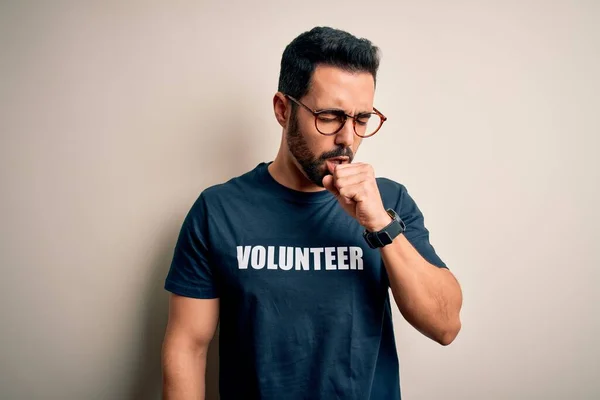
(345, 136)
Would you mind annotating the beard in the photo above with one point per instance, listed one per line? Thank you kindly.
(314, 167)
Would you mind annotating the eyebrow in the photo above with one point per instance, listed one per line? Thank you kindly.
(339, 110)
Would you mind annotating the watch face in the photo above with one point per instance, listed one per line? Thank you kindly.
(402, 225)
(393, 214)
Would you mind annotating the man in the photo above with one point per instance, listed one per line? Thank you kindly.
(295, 258)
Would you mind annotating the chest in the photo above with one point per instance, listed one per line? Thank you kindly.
(294, 254)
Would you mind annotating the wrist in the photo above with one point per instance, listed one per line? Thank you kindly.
(378, 224)
(384, 232)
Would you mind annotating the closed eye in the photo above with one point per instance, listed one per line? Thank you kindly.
(363, 119)
(331, 116)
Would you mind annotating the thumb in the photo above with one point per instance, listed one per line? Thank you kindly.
(328, 184)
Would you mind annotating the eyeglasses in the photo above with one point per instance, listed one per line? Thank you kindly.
(330, 121)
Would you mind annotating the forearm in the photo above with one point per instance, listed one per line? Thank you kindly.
(428, 297)
(184, 373)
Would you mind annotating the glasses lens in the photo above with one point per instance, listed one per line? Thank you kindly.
(329, 123)
(367, 124)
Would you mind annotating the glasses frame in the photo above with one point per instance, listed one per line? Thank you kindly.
(316, 113)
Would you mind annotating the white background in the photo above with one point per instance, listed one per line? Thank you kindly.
(114, 116)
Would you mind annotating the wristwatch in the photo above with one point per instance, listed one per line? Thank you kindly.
(386, 235)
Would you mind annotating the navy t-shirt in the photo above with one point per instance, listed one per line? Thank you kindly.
(304, 303)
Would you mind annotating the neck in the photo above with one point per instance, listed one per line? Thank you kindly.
(288, 173)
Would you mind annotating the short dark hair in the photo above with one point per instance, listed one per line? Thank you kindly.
(326, 46)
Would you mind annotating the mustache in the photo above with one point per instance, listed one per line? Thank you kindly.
(339, 152)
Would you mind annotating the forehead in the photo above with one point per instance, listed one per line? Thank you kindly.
(333, 87)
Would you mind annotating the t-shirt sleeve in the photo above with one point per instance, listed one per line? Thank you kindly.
(416, 232)
(191, 273)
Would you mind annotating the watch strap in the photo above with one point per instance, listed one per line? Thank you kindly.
(386, 235)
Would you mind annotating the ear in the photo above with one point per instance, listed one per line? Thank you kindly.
(281, 108)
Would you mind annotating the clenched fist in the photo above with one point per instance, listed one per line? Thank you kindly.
(355, 187)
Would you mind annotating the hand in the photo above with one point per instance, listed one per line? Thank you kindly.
(355, 187)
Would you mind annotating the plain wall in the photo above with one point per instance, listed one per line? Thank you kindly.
(114, 116)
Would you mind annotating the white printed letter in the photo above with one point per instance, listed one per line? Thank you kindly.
(243, 255)
(317, 257)
(356, 261)
(259, 255)
(302, 257)
(329, 258)
(286, 263)
(342, 257)
(271, 258)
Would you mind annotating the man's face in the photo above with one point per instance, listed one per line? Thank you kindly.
(331, 88)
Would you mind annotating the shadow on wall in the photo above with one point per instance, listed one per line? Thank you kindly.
(233, 144)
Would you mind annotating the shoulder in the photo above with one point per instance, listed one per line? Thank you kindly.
(236, 188)
(396, 195)
(390, 189)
